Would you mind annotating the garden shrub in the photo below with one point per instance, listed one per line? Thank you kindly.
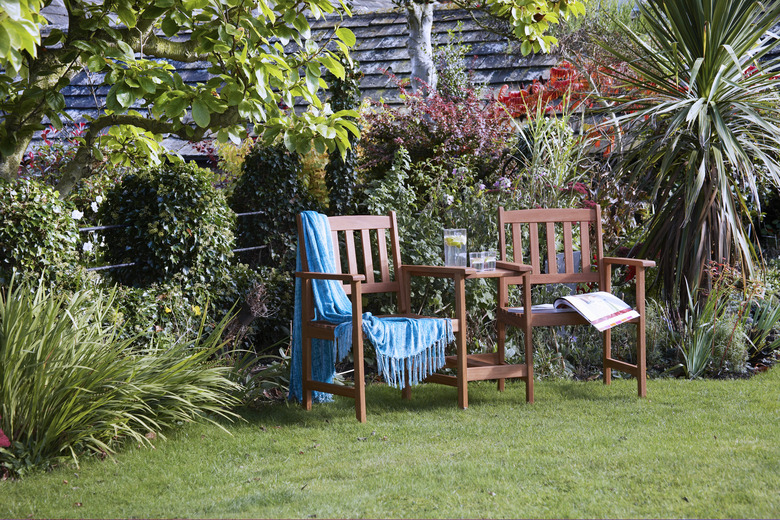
(174, 221)
(176, 307)
(71, 387)
(38, 233)
(271, 185)
(431, 126)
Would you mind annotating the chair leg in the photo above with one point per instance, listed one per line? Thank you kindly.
(641, 362)
(360, 380)
(306, 372)
(529, 365)
(406, 391)
(606, 338)
(501, 350)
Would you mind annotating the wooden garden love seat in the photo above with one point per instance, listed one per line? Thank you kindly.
(563, 246)
(366, 265)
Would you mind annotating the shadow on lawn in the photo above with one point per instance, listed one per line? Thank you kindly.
(382, 400)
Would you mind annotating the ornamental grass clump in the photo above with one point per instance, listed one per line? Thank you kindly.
(70, 387)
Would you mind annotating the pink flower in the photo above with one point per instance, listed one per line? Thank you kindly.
(4, 442)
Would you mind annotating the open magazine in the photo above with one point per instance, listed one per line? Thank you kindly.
(603, 310)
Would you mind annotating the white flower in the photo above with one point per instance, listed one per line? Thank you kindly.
(449, 198)
(99, 199)
(56, 209)
(87, 247)
(94, 206)
(75, 214)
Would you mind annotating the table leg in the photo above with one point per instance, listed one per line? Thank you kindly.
(460, 340)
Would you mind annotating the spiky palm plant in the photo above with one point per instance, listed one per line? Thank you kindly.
(702, 121)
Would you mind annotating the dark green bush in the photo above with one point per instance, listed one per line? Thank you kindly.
(38, 231)
(270, 184)
(174, 220)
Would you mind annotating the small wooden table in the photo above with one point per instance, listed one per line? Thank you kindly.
(470, 367)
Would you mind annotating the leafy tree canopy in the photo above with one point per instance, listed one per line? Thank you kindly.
(529, 20)
(128, 44)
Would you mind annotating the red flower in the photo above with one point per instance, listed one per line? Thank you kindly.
(4, 442)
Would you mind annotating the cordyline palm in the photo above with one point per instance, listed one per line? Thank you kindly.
(702, 123)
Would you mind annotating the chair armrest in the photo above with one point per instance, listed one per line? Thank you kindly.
(437, 271)
(346, 278)
(512, 266)
(635, 262)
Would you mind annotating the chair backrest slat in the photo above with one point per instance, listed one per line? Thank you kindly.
(368, 261)
(384, 264)
(568, 248)
(533, 233)
(552, 258)
(337, 251)
(517, 242)
(351, 252)
(585, 240)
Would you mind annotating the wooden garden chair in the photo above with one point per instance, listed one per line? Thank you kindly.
(549, 239)
(366, 266)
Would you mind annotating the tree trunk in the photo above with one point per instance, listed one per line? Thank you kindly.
(9, 165)
(420, 19)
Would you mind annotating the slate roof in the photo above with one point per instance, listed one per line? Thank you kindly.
(381, 46)
(382, 35)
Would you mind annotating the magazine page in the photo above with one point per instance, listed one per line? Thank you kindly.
(602, 309)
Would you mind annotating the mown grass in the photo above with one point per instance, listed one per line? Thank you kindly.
(692, 449)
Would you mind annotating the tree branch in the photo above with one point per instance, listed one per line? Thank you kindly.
(81, 166)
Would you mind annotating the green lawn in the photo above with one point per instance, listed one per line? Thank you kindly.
(692, 449)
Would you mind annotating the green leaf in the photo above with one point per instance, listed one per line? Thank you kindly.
(176, 106)
(5, 42)
(346, 36)
(191, 5)
(126, 49)
(13, 8)
(147, 84)
(200, 113)
(96, 63)
(126, 15)
(169, 26)
(334, 66)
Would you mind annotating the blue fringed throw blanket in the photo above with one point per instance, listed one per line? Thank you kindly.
(403, 345)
